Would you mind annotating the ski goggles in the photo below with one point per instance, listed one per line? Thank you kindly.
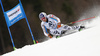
(43, 18)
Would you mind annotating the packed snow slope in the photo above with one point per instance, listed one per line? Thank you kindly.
(84, 43)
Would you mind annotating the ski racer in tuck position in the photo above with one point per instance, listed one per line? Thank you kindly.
(53, 24)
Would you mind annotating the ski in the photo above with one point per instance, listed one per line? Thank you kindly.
(72, 32)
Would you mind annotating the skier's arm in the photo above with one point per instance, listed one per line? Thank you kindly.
(53, 16)
(45, 31)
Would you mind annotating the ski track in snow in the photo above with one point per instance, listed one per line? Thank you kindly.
(84, 43)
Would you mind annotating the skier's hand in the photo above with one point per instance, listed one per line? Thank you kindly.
(59, 25)
(49, 36)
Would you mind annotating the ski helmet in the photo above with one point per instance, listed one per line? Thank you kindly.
(42, 15)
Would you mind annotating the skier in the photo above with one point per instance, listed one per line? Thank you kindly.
(53, 24)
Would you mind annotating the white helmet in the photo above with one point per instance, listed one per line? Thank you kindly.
(42, 14)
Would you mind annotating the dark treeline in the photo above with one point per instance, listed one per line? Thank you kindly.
(66, 10)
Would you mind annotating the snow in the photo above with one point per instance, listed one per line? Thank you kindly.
(84, 43)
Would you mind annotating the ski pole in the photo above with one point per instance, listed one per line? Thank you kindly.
(81, 20)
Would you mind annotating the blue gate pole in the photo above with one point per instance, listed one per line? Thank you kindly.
(11, 39)
(8, 28)
(28, 24)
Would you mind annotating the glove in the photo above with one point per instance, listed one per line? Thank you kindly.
(59, 25)
(49, 36)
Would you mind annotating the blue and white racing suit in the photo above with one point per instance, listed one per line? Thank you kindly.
(51, 24)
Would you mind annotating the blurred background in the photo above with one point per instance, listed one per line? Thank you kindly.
(67, 10)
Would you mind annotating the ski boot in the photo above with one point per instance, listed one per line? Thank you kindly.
(62, 32)
(57, 36)
(81, 27)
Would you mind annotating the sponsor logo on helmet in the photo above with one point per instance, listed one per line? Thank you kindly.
(41, 16)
